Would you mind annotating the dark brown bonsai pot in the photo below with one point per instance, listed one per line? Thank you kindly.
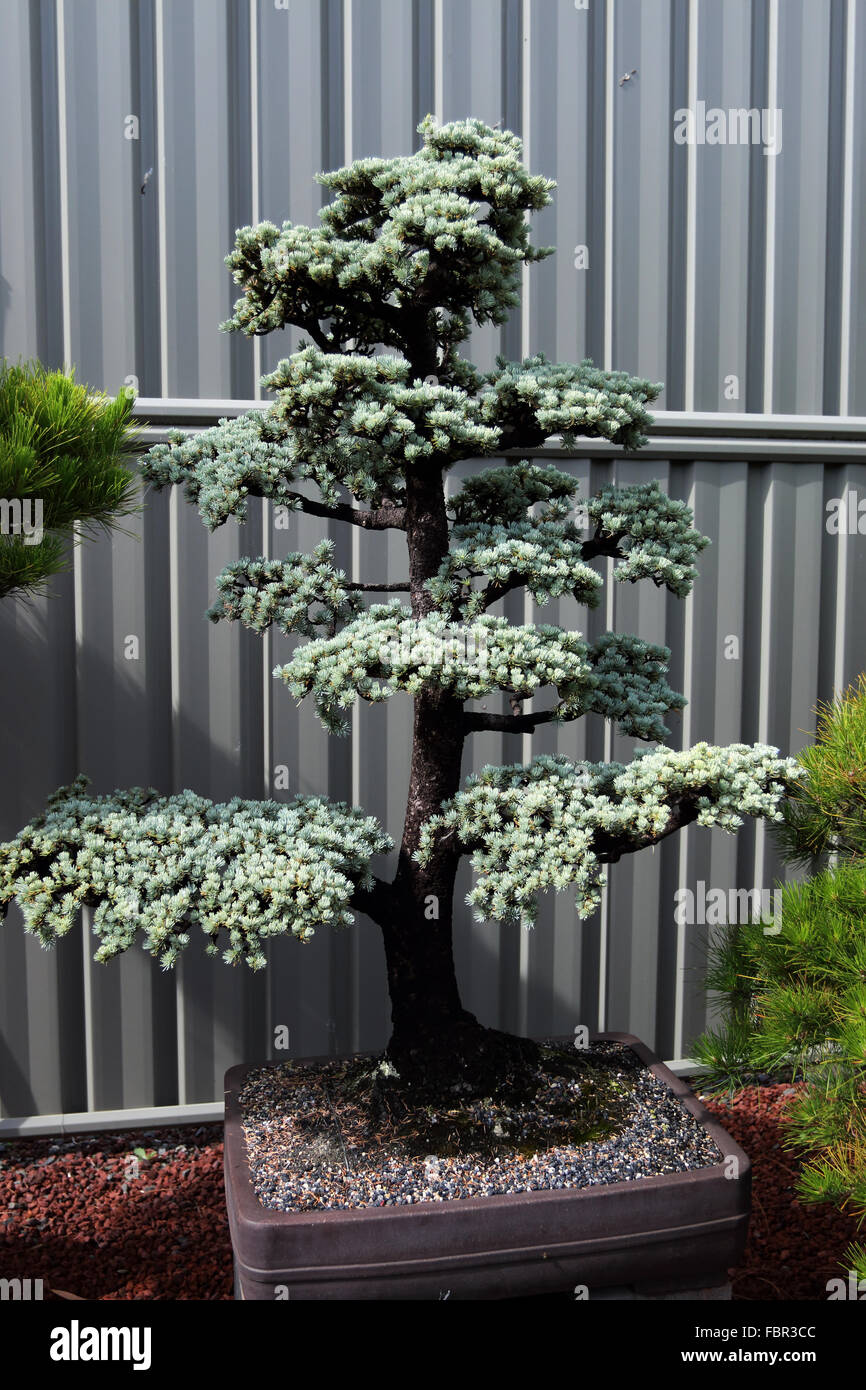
(672, 1235)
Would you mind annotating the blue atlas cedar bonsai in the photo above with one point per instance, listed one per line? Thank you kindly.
(410, 252)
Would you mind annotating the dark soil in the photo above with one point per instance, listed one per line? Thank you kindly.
(75, 1212)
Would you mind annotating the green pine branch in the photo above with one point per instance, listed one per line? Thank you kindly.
(62, 452)
(793, 996)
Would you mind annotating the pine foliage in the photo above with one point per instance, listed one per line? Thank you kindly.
(793, 996)
(62, 446)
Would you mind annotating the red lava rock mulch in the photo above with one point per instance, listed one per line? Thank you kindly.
(80, 1214)
(86, 1216)
(793, 1248)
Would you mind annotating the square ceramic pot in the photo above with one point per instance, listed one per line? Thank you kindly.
(656, 1237)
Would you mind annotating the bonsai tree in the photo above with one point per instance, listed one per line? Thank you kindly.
(795, 999)
(61, 451)
(370, 414)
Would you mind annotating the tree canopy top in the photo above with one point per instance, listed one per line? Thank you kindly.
(409, 246)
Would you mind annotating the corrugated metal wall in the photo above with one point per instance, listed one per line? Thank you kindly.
(700, 263)
(729, 272)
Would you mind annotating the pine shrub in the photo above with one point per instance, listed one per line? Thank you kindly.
(61, 447)
(793, 999)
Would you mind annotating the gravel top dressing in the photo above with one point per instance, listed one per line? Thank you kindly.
(598, 1116)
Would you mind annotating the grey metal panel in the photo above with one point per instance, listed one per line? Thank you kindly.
(101, 169)
(300, 981)
(147, 198)
(31, 318)
(846, 573)
(855, 166)
(216, 738)
(642, 149)
(115, 703)
(42, 1035)
(560, 139)
(294, 83)
(20, 175)
(801, 203)
(721, 213)
(634, 882)
(195, 189)
(756, 229)
(837, 200)
(710, 674)
(235, 99)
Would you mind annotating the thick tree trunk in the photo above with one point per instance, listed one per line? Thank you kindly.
(422, 982)
(418, 945)
(435, 1040)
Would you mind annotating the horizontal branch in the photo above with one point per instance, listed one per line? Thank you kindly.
(609, 848)
(521, 437)
(378, 519)
(309, 323)
(506, 723)
(402, 588)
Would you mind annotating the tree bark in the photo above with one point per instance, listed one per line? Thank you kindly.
(422, 981)
(435, 1041)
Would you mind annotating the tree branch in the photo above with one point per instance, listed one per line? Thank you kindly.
(506, 723)
(403, 588)
(312, 326)
(601, 545)
(379, 519)
(521, 437)
(609, 848)
(373, 901)
(493, 592)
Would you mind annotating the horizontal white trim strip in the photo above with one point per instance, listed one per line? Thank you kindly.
(83, 1121)
(674, 434)
(206, 411)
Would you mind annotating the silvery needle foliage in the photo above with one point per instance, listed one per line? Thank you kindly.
(368, 416)
(539, 827)
(159, 865)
